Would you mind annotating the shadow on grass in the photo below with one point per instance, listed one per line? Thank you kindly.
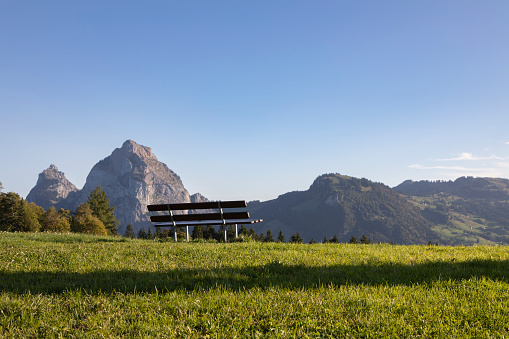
(272, 275)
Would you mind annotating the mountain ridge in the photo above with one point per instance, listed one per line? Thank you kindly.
(132, 178)
(466, 210)
(344, 206)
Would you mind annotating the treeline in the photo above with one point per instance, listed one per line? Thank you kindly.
(206, 233)
(209, 233)
(95, 216)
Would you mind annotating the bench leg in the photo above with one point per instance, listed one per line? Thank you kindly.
(236, 232)
(175, 234)
(187, 233)
(225, 240)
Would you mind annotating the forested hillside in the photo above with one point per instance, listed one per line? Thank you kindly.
(465, 211)
(343, 206)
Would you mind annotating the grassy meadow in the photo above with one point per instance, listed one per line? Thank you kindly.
(78, 286)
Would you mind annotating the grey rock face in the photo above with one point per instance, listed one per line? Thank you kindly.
(197, 197)
(131, 177)
(52, 187)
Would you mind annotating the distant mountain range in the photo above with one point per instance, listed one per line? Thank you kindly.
(465, 211)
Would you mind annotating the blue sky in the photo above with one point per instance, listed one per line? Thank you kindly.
(252, 99)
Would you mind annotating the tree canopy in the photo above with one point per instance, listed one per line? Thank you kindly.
(85, 222)
(100, 206)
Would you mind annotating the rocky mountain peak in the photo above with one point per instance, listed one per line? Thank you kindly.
(51, 188)
(131, 147)
(132, 178)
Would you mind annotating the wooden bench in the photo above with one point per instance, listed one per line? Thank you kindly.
(178, 215)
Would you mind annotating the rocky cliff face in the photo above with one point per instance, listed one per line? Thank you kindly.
(132, 178)
(51, 188)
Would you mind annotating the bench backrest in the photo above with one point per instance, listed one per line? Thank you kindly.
(196, 216)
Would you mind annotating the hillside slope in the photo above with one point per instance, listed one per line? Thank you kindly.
(344, 206)
(465, 211)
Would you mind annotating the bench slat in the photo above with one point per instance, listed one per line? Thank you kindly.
(197, 205)
(211, 223)
(200, 217)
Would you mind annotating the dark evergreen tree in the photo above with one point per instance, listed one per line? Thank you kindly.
(269, 237)
(353, 240)
(149, 233)
(129, 232)
(159, 233)
(142, 234)
(296, 238)
(197, 232)
(334, 239)
(100, 206)
(325, 240)
(210, 233)
(312, 241)
(243, 230)
(365, 240)
(253, 234)
(261, 237)
(280, 237)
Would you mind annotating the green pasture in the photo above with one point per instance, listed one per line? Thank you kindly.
(78, 286)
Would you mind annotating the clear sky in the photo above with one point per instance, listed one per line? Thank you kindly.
(252, 99)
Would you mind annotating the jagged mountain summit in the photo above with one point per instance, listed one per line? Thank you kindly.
(132, 178)
(344, 206)
(51, 188)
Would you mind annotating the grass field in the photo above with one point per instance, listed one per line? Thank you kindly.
(84, 286)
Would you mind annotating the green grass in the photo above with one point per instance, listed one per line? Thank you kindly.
(83, 286)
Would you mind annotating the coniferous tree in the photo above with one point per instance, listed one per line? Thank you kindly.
(365, 240)
(353, 240)
(312, 241)
(296, 238)
(262, 237)
(149, 233)
(142, 234)
(334, 239)
(197, 232)
(280, 237)
(129, 232)
(243, 230)
(269, 237)
(253, 234)
(158, 233)
(209, 233)
(325, 240)
(100, 206)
